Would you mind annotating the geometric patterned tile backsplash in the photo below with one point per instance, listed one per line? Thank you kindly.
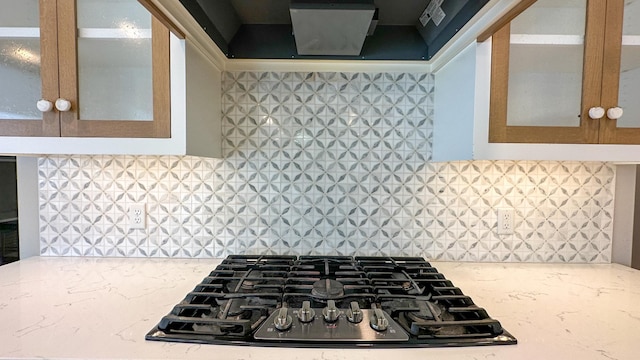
(326, 163)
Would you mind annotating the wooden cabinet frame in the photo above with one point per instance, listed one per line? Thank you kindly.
(600, 81)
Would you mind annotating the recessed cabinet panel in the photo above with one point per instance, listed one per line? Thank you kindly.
(115, 75)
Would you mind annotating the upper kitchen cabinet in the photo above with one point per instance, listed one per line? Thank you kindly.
(102, 77)
(557, 82)
(87, 68)
(567, 72)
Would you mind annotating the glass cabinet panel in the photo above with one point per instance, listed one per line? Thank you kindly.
(114, 61)
(629, 87)
(20, 60)
(546, 64)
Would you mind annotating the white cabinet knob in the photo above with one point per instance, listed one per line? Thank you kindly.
(615, 113)
(596, 113)
(44, 105)
(63, 105)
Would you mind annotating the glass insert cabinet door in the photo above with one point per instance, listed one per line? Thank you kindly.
(568, 72)
(544, 72)
(114, 69)
(114, 61)
(28, 68)
(621, 78)
(629, 87)
(546, 62)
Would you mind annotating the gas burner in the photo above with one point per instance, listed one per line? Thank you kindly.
(233, 308)
(250, 284)
(327, 289)
(426, 311)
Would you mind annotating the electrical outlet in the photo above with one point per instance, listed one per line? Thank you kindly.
(137, 216)
(505, 221)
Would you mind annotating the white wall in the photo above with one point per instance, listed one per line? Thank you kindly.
(624, 214)
(204, 105)
(454, 108)
(28, 207)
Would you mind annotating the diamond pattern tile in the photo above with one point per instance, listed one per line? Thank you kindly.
(326, 163)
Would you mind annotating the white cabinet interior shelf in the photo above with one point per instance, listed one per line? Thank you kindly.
(87, 33)
(631, 40)
(537, 39)
(119, 33)
(544, 39)
(19, 32)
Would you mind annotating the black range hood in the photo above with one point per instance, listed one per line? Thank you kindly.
(397, 29)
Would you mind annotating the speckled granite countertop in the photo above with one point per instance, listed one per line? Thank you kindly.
(102, 308)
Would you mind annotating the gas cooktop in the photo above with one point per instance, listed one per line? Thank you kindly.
(329, 301)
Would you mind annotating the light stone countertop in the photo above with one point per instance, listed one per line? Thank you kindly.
(101, 308)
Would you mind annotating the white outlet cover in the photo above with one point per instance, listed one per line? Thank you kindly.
(506, 221)
(137, 216)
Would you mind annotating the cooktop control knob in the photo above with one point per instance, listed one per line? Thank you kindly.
(330, 312)
(354, 314)
(378, 321)
(306, 313)
(283, 321)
